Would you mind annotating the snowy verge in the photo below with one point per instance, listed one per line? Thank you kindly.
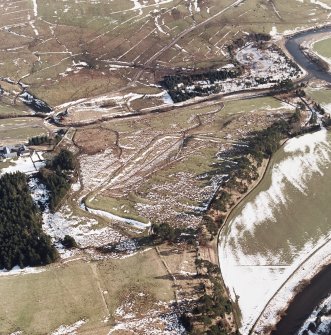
(287, 292)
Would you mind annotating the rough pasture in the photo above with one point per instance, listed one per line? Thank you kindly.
(106, 46)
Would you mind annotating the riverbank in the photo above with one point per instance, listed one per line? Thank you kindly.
(300, 308)
(297, 283)
(293, 47)
(312, 46)
(213, 249)
(209, 251)
(262, 172)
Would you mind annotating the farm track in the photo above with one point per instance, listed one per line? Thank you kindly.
(275, 10)
(169, 272)
(219, 97)
(97, 281)
(13, 116)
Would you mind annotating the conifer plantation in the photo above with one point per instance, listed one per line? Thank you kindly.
(22, 241)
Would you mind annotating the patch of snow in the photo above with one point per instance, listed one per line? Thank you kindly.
(273, 31)
(76, 186)
(325, 325)
(228, 66)
(39, 192)
(196, 6)
(16, 270)
(168, 322)
(264, 68)
(167, 99)
(83, 230)
(158, 26)
(69, 330)
(35, 8)
(137, 6)
(27, 165)
(321, 4)
(135, 223)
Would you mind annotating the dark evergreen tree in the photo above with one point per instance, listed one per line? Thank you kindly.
(22, 241)
(69, 242)
(65, 160)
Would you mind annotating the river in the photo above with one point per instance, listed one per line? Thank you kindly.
(293, 47)
(299, 318)
(280, 233)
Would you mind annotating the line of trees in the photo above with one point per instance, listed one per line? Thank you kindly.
(211, 306)
(44, 139)
(22, 241)
(166, 233)
(241, 163)
(285, 85)
(37, 140)
(241, 41)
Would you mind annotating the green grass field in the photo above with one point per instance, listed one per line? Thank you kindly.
(323, 48)
(19, 130)
(323, 96)
(123, 207)
(12, 110)
(78, 290)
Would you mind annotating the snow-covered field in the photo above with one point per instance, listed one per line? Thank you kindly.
(265, 269)
(26, 164)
